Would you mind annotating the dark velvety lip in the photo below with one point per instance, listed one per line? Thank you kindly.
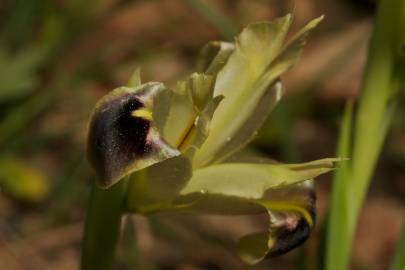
(116, 138)
(287, 238)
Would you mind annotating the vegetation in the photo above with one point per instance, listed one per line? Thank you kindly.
(57, 58)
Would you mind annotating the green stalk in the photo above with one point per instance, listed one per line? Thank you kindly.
(103, 226)
(338, 224)
(381, 81)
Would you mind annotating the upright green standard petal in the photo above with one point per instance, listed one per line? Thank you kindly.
(256, 47)
(248, 83)
(123, 137)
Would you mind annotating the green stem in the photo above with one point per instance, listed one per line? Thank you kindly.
(338, 236)
(102, 226)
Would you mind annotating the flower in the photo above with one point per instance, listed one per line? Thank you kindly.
(179, 147)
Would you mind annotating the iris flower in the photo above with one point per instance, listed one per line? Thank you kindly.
(179, 147)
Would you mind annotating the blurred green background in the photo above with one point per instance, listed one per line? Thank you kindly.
(57, 57)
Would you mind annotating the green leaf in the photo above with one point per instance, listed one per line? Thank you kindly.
(374, 114)
(339, 233)
(123, 136)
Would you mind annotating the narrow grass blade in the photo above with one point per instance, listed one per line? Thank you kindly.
(338, 231)
(373, 118)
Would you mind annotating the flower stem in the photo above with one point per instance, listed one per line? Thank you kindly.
(102, 226)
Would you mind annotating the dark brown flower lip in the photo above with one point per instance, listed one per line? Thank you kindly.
(120, 140)
(116, 137)
(289, 236)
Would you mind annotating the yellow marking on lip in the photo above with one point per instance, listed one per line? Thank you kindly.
(142, 113)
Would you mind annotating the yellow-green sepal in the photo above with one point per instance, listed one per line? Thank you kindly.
(283, 191)
(155, 188)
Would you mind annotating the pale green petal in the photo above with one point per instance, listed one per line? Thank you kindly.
(200, 89)
(251, 180)
(156, 187)
(257, 63)
(289, 56)
(247, 130)
(214, 56)
(256, 47)
(201, 128)
(181, 116)
(161, 108)
(192, 107)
